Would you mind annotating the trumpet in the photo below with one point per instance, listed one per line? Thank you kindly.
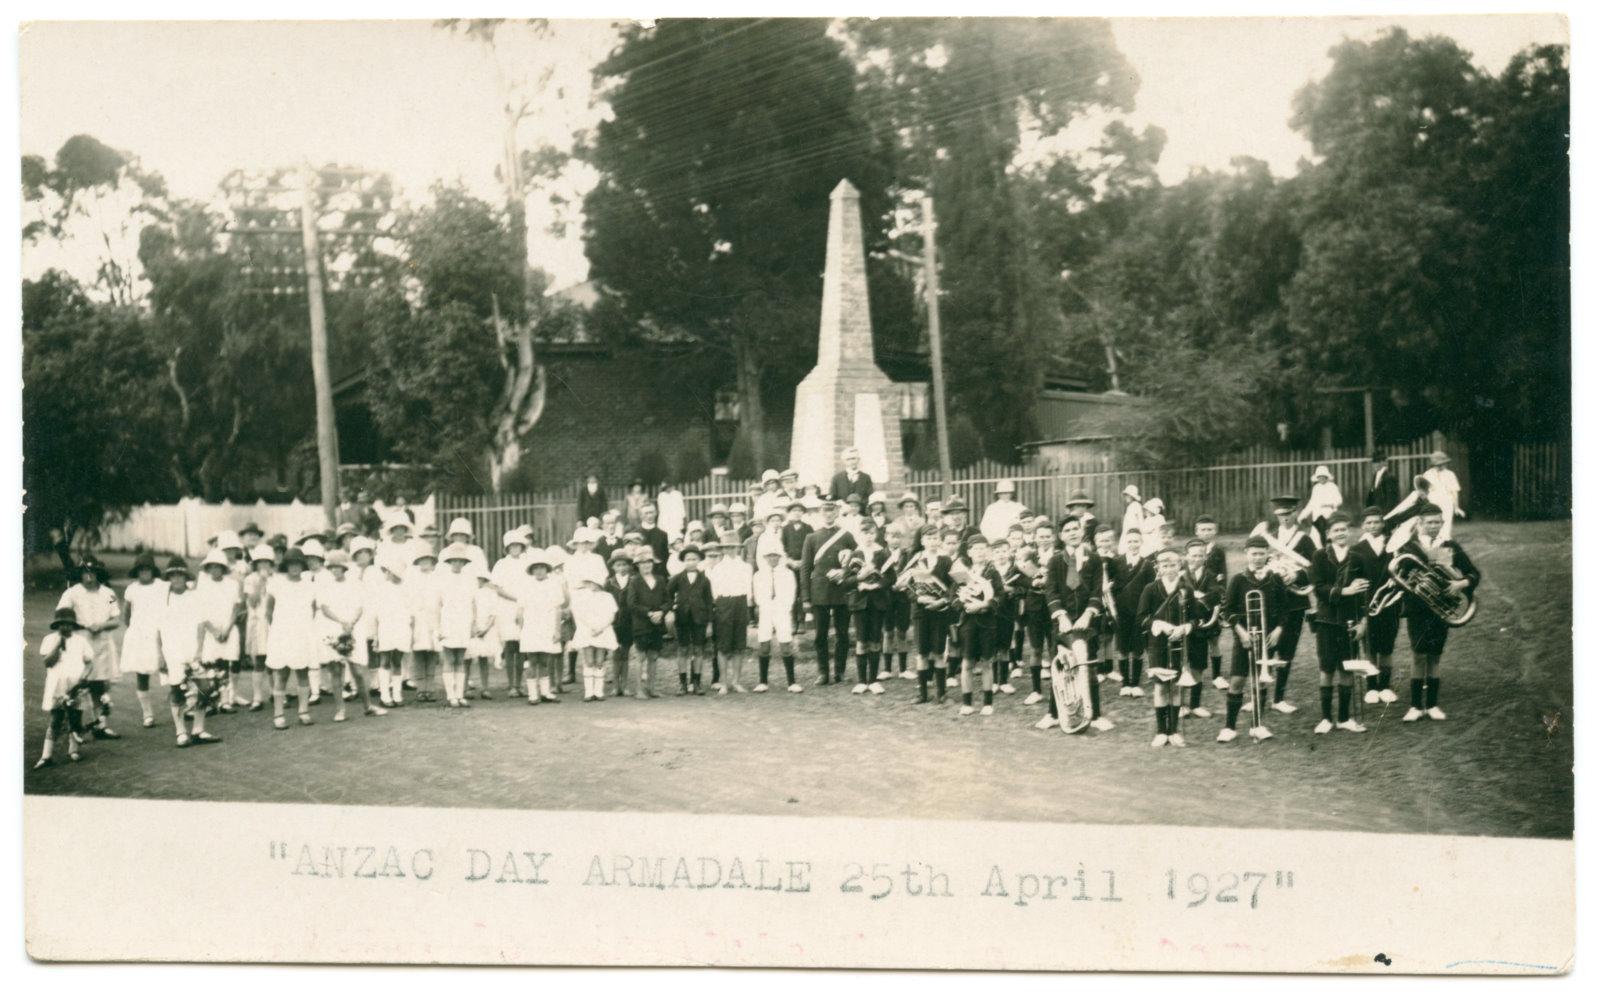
(1429, 582)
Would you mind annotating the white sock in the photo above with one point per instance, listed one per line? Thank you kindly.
(383, 681)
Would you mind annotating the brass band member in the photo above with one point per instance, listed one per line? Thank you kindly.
(1297, 601)
(1167, 614)
(1384, 627)
(1072, 595)
(1427, 630)
(1203, 580)
(1339, 579)
(1257, 576)
(1134, 573)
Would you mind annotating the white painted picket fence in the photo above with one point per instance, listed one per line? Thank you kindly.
(186, 527)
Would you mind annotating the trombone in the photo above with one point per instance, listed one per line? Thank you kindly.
(1261, 661)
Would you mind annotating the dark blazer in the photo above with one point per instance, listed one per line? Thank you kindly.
(643, 599)
(1217, 565)
(875, 598)
(623, 626)
(842, 486)
(691, 600)
(1384, 491)
(1458, 559)
(1329, 576)
(815, 587)
(1060, 596)
(591, 504)
(657, 540)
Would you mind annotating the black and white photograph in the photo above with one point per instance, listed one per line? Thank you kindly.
(1148, 423)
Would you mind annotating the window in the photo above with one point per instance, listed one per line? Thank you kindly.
(913, 400)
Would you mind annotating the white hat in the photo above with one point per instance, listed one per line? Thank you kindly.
(694, 526)
(1154, 505)
(229, 540)
(555, 556)
(214, 558)
(1321, 473)
(460, 526)
(536, 557)
(423, 553)
(1005, 486)
(769, 545)
(513, 537)
(394, 521)
(482, 573)
(1131, 490)
(362, 544)
(312, 549)
(738, 507)
(263, 553)
(770, 476)
(878, 496)
(455, 552)
(588, 535)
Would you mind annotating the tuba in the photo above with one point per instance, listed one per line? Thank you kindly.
(1429, 582)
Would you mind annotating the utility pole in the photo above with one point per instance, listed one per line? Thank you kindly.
(327, 432)
(930, 284)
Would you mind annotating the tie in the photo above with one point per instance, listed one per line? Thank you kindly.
(774, 576)
(1072, 573)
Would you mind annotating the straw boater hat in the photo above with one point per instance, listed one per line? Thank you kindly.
(64, 616)
(143, 560)
(177, 565)
(263, 553)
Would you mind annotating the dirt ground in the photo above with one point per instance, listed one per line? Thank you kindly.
(1500, 765)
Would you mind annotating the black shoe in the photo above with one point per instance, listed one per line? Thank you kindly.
(200, 739)
(407, 686)
(105, 733)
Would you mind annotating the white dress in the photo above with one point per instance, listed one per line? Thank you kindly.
(344, 599)
(594, 612)
(220, 600)
(145, 602)
(539, 603)
(487, 607)
(95, 607)
(457, 605)
(391, 617)
(69, 671)
(422, 598)
(292, 632)
(255, 615)
(179, 628)
(508, 575)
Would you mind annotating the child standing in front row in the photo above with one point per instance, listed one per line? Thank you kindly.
(540, 600)
(484, 647)
(391, 629)
(594, 615)
(67, 660)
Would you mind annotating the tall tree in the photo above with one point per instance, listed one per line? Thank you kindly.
(958, 95)
(707, 228)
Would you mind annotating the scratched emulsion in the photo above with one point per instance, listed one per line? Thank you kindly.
(1498, 766)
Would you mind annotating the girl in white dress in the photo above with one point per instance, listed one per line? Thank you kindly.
(422, 597)
(365, 577)
(540, 600)
(99, 616)
(221, 598)
(391, 630)
(484, 648)
(458, 591)
(68, 657)
(341, 604)
(594, 614)
(263, 562)
(291, 633)
(180, 633)
(145, 597)
(507, 577)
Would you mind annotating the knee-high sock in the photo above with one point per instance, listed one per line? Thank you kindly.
(1282, 682)
(1036, 673)
(763, 663)
(1235, 702)
(1416, 693)
(1194, 695)
(1433, 692)
(1344, 703)
(788, 666)
(1327, 702)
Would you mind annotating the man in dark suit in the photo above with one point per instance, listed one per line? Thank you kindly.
(852, 479)
(591, 499)
(822, 589)
(1385, 489)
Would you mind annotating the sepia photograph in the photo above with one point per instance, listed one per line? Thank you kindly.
(1154, 425)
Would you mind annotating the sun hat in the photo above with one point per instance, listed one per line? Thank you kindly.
(293, 557)
(455, 552)
(229, 540)
(65, 616)
(1005, 486)
(1438, 458)
(536, 557)
(770, 476)
(460, 526)
(362, 544)
(311, 548)
(214, 558)
(1080, 498)
(1321, 473)
(263, 553)
(338, 560)
(143, 560)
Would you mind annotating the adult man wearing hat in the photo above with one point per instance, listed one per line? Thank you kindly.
(1005, 511)
(1081, 506)
(953, 513)
(822, 590)
(1384, 488)
(1287, 535)
(852, 478)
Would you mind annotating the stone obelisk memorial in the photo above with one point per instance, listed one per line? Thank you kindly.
(846, 399)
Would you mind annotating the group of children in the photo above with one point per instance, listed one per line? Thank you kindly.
(930, 598)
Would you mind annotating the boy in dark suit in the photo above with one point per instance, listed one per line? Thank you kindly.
(1427, 630)
(1216, 564)
(648, 605)
(1134, 573)
(1339, 580)
(1257, 576)
(689, 594)
(617, 585)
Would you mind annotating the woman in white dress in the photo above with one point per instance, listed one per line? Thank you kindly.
(140, 655)
(291, 634)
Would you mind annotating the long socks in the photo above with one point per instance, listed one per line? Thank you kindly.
(1326, 694)
(1036, 673)
(1416, 693)
(1344, 703)
(1433, 692)
(1282, 682)
(1235, 702)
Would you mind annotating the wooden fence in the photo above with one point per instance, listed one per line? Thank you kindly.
(1541, 480)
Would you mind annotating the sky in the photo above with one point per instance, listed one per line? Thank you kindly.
(196, 100)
